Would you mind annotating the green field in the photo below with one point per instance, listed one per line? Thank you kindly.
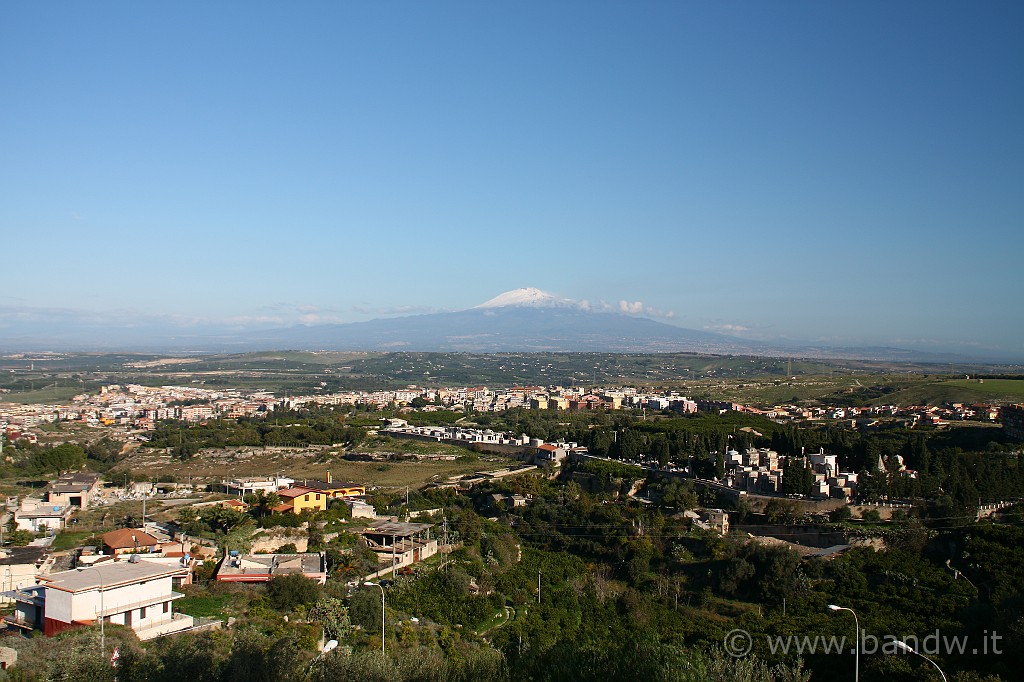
(50, 394)
(207, 606)
(769, 392)
(938, 391)
(214, 465)
(1009, 388)
(69, 539)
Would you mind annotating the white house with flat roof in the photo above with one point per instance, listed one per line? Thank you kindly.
(136, 594)
(36, 515)
(246, 485)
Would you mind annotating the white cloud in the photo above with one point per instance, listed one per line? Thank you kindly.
(363, 309)
(727, 328)
(640, 308)
(249, 320)
(276, 315)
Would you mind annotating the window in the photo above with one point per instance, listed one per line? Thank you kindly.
(142, 613)
(318, 497)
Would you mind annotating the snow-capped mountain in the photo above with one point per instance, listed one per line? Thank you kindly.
(522, 320)
(527, 297)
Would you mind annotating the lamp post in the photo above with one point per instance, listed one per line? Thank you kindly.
(381, 613)
(856, 650)
(903, 646)
(103, 639)
(330, 646)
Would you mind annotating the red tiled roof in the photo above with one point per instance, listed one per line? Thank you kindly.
(128, 538)
(290, 493)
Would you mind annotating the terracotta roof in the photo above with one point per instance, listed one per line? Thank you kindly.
(289, 493)
(128, 538)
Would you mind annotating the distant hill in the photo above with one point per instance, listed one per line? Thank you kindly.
(522, 320)
(509, 328)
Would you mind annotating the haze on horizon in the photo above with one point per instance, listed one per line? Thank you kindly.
(838, 173)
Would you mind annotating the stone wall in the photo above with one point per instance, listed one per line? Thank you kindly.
(270, 540)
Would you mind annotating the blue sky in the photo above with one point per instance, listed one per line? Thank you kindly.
(849, 172)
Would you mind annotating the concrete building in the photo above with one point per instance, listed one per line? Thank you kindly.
(360, 509)
(1012, 417)
(252, 485)
(36, 515)
(714, 520)
(18, 568)
(260, 568)
(136, 594)
(400, 544)
(74, 490)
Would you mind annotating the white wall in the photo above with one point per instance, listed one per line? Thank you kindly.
(58, 606)
(87, 604)
(13, 575)
(36, 524)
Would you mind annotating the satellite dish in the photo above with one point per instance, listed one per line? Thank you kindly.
(330, 646)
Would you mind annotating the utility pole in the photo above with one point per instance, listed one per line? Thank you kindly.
(538, 586)
(444, 526)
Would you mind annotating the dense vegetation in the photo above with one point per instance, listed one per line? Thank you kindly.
(289, 428)
(603, 574)
(590, 585)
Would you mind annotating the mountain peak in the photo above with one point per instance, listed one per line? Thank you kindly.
(527, 297)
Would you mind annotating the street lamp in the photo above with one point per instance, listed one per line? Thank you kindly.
(903, 646)
(381, 612)
(103, 638)
(856, 651)
(330, 646)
